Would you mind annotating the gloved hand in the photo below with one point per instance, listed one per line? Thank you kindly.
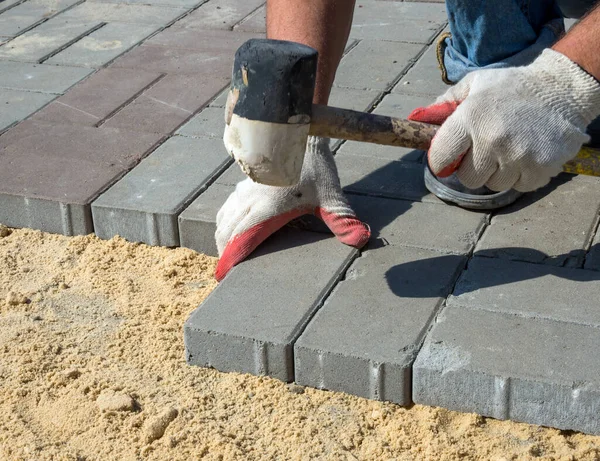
(513, 127)
(254, 211)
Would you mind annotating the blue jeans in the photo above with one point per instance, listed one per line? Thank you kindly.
(503, 33)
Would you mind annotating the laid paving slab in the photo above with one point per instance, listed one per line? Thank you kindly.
(592, 259)
(530, 290)
(124, 13)
(143, 206)
(364, 339)
(39, 43)
(255, 22)
(427, 226)
(220, 14)
(531, 370)
(374, 64)
(101, 95)
(23, 16)
(39, 77)
(424, 78)
(198, 222)
(17, 105)
(7, 4)
(206, 54)
(553, 225)
(396, 106)
(209, 123)
(167, 104)
(103, 45)
(171, 3)
(397, 21)
(51, 173)
(250, 322)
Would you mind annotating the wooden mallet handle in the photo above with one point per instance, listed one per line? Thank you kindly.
(333, 122)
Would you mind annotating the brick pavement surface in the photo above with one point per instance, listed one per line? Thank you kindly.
(114, 126)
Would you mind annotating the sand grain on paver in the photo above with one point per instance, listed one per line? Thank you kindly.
(92, 368)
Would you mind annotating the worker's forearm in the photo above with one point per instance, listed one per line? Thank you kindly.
(582, 43)
(321, 24)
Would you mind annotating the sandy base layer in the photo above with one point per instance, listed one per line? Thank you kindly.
(92, 368)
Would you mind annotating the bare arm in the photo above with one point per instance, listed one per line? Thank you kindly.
(582, 43)
(321, 24)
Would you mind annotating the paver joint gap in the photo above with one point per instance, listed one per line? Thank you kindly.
(71, 42)
(246, 17)
(130, 100)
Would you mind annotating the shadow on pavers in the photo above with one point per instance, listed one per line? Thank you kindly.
(405, 280)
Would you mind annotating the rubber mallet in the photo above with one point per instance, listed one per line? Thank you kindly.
(269, 113)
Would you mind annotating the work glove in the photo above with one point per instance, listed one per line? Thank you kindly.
(514, 127)
(254, 211)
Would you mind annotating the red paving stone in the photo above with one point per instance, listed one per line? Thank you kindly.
(96, 98)
(66, 163)
(169, 103)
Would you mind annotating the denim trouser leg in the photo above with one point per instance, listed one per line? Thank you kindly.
(503, 33)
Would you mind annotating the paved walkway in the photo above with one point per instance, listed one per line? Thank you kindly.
(111, 123)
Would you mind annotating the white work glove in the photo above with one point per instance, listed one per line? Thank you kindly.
(254, 211)
(514, 127)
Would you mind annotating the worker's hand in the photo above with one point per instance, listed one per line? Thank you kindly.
(254, 211)
(514, 127)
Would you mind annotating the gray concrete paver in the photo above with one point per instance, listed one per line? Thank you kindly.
(103, 45)
(508, 367)
(374, 64)
(51, 173)
(424, 78)
(209, 123)
(143, 206)
(366, 336)
(220, 14)
(99, 96)
(20, 17)
(255, 22)
(420, 225)
(17, 105)
(39, 77)
(198, 222)
(397, 21)
(250, 322)
(529, 290)
(40, 42)
(553, 225)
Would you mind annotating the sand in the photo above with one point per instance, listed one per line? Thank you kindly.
(92, 368)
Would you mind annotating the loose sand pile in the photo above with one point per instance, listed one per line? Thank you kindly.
(92, 368)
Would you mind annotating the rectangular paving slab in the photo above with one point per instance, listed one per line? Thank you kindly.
(41, 42)
(103, 45)
(51, 173)
(144, 205)
(124, 13)
(553, 225)
(101, 95)
(374, 64)
(220, 14)
(397, 21)
(17, 105)
(364, 339)
(39, 77)
(509, 367)
(171, 3)
(424, 78)
(530, 290)
(21, 17)
(250, 322)
(167, 104)
(255, 22)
